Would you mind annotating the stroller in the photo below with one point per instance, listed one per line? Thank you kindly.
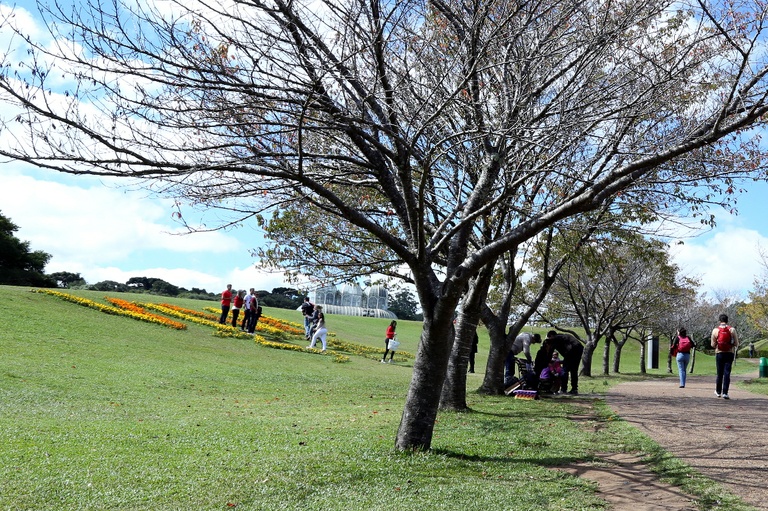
(528, 379)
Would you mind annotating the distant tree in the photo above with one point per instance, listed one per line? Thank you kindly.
(66, 279)
(109, 285)
(161, 287)
(403, 304)
(19, 266)
(142, 283)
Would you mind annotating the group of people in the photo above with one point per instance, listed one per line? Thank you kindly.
(235, 301)
(726, 343)
(314, 324)
(548, 367)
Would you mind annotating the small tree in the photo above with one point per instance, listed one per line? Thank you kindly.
(403, 304)
(20, 266)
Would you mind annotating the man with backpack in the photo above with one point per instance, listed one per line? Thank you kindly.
(725, 342)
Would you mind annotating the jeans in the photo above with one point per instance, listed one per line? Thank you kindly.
(682, 366)
(723, 362)
(224, 314)
(307, 326)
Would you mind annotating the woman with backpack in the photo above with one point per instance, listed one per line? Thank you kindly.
(681, 348)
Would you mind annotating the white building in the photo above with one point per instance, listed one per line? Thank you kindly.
(352, 300)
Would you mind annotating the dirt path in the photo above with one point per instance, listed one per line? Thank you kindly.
(730, 444)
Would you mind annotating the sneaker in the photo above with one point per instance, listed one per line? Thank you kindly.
(682, 386)
(383, 361)
(310, 347)
(717, 394)
(389, 361)
(573, 392)
(725, 396)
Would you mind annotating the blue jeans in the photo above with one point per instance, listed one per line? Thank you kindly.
(723, 362)
(682, 366)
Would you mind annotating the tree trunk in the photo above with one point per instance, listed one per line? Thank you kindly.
(606, 356)
(642, 358)
(429, 372)
(493, 381)
(586, 358)
(454, 394)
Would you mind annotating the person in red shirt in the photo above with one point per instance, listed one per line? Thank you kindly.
(390, 336)
(237, 304)
(226, 301)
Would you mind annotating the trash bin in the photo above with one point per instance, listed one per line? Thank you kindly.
(763, 367)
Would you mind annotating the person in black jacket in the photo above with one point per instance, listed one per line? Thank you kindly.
(571, 350)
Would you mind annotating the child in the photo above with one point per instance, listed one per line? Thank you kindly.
(553, 373)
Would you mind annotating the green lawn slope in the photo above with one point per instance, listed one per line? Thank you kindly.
(106, 412)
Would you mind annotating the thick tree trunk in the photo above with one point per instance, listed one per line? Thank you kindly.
(429, 372)
(617, 358)
(454, 395)
(493, 381)
(586, 358)
(642, 358)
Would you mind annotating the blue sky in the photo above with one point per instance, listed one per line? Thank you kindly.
(106, 232)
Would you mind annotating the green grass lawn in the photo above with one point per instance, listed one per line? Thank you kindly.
(106, 412)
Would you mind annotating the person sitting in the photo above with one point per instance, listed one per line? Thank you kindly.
(552, 376)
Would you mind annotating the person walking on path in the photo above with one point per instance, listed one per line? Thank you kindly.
(681, 348)
(388, 337)
(726, 342)
(571, 349)
(226, 301)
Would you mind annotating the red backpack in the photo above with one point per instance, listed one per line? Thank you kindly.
(724, 338)
(684, 345)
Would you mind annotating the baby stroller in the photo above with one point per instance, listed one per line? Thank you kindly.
(528, 379)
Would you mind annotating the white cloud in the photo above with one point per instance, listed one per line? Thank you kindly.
(109, 233)
(727, 261)
(98, 223)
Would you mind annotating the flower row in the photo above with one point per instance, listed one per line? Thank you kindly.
(117, 311)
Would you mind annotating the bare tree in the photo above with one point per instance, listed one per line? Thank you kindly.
(622, 281)
(409, 120)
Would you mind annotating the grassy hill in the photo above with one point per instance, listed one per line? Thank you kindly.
(106, 412)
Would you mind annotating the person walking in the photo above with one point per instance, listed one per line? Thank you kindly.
(226, 301)
(681, 347)
(726, 342)
(307, 309)
(571, 349)
(751, 349)
(389, 336)
(320, 331)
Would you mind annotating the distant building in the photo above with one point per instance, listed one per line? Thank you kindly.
(352, 300)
